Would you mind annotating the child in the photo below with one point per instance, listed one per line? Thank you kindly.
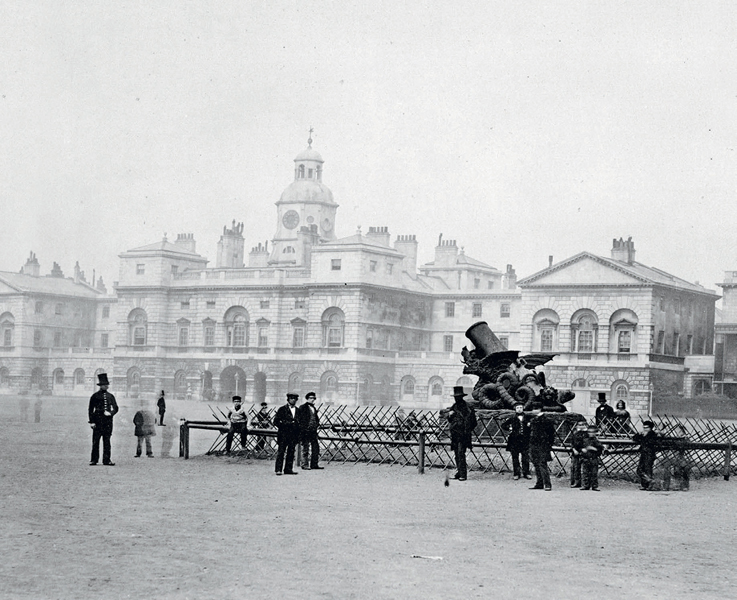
(590, 454)
(578, 440)
(648, 441)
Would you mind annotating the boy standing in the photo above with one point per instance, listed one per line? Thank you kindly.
(648, 441)
(578, 442)
(590, 454)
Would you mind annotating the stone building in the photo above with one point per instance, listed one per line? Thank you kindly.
(725, 367)
(57, 332)
(619, 327)
(353, 318)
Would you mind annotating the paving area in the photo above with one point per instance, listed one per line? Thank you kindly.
(216, 527)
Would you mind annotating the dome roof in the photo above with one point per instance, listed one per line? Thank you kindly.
(309, 154)
(307, 191)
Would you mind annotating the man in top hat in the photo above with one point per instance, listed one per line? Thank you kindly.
(462, 420)
(287, 435)
(101, 410)
(604, 414)
(161, 404)
(309, 422)
(237, 423)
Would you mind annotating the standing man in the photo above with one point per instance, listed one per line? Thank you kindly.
(144, 422)
(100, 412)
(287, 436)
(648, 441)
(162, 409)
(237, 423)
(462, 421)
(542, 436)
(262, 420)
(604, 414)
(309, 422)
(518, 442)
(590, 454)
(578, 443)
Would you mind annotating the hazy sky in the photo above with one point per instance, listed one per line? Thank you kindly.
(520, 129)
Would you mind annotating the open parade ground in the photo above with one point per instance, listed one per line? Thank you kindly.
(217, 527)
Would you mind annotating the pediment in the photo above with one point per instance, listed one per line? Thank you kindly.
(583, 270)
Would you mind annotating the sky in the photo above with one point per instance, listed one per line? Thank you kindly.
(519, 129)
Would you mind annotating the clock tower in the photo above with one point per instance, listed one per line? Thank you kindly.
(305, 210)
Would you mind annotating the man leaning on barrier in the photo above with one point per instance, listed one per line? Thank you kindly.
(237, 423)
(287, 436)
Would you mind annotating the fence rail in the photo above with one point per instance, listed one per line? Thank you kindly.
(420, 438)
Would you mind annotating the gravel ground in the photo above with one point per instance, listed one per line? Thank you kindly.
(214, 527)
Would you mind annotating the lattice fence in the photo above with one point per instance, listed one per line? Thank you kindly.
(389, 435)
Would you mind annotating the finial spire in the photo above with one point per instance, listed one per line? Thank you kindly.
(309, 139)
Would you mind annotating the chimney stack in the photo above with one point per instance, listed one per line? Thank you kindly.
(231, 247)
(446, 253)
(550, 261)
(407, 245)
(31, 267)
(509, 279)
(186, 241)
(380, 235)
(623, 250)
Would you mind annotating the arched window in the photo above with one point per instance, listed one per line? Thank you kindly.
(4, 377)
(580, 383)
(208, 332)
(295, 383)
(546, 329)
(333, 324)
(701, 386)
(622, 326)
(236, 327)
(408, 386)
(329, 386)
(59, 377)
(584, 332)
(79, 377)
(301, 171)
(7, 324)
(138, 327)
(621, 392)
(435, 388)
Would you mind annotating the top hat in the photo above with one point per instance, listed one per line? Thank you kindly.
(236, 398)
(602, 396)
(458, 391)
(292, 395)
(649, 424)
(310, 395)
(102, 379)
(489, 348)
(264, 404)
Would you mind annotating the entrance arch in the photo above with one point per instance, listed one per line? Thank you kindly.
(232, 383)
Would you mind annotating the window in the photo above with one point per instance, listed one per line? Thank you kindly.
(236, 327)
(59, 376)
(369, 338)
(409, 387)
(624, 342)
(546, 340)
(36, 338)
(504, 341)
(57, 339)
(263, 337)
(79, 377)
(476, 309)
(333, 323)
(676, 341)
(239, 332)
(184, 305)
(661, 341)
(209, 335)
(184, 336)
(299, 303)
(689, 344)
(140, 269)
(701, 386)
(105, 312)
(621, 393)
(448, 343)
(586, 341)
(662, 303)
(39, 308)
(677, 306)
(504, 311)
(139, 336)
(389, 268)
(309, 173)
(265, 303)
(450, 309)
(137, 323)
(372, 266)
(476, 283)
(584, 332)
(104, 340)
(174, 269)
(490, 285)
(210, 304)
(335, 264)
(8, 337)
(298, 337)
(437, 389)
(59, 309)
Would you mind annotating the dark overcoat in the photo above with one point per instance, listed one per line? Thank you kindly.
(519, 434)
(542, 437)
(286, 424)
(99, 402)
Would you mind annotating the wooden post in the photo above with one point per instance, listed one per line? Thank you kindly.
(421, 462)
(183, 439)
(727, 460)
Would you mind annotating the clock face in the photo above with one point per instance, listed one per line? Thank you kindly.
(290, 219)
(327, 224)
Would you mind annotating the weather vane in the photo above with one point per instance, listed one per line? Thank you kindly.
(309, 140)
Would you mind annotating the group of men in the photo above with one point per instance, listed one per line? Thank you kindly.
(530, 437)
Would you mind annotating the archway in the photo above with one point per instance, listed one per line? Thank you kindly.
(133, 382)
(78, 379)
(37, 379)
(180, 385)
(232, 383)
(57, 381)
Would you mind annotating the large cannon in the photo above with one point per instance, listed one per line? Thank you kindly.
(505, 377)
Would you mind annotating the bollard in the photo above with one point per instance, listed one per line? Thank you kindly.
(183, 439)
(727, 460)
(421, 462)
